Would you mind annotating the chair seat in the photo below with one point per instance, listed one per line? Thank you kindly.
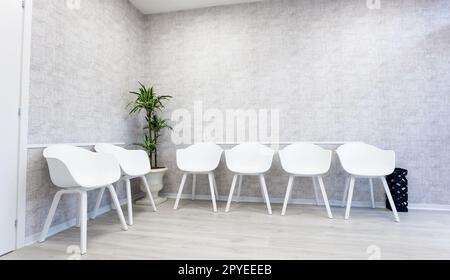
(307, 171)
(248, 171)
(198, 169)
(91, 182)
(135, 174)
(369, 172)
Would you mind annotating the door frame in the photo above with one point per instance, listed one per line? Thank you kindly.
(23, 124)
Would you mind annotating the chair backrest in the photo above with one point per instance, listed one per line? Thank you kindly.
(132, 162)
(250, 156)
(305, 156)
(361, 156)
(199, 156)
(71, 166)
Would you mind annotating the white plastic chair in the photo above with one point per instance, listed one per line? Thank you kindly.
(250, 159)
(134, 164)
(202, 158)
(361, 160)
(78, 171)
(306, 160)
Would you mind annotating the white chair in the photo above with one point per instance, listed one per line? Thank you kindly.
(198, 159)
(306, 160)
(361, 160)
(250, 159)
(78, 171)
(134, 164)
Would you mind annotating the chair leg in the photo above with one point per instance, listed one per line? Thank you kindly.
(230, 197)
(78, 225)
(50, 216)
(83, 222)
(215, 185)
(98, 203)
(113, 206)
(350, 197)
(391, 200)
(316, 194)
(288, 194)
(194, 185)
(372, 196)
(129, 202)
(265, 193)
(241, 178)
(112, 191)
(344, 198)
(180, 191)
(213, 191)
(325, 197)
(147, 188)
(262, 192)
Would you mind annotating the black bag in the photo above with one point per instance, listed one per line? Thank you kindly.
(398, 185)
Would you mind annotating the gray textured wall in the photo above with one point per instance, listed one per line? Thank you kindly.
(84, 63)
(336, 70)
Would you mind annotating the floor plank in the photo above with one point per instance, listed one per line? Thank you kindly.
(247, 232)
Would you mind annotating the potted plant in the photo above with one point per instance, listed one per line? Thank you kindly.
(152, 104)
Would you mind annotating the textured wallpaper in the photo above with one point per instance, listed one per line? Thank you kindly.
(336, 70)
(84, 61)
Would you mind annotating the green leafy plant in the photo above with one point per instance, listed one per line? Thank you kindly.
(152, 104)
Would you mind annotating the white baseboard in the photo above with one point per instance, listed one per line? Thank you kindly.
(300, 201)
(29, 240)
(253, 199)
(429, 207)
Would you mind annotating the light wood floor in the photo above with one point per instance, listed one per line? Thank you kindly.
(247, 232)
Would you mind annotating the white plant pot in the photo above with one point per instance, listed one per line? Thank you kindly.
(156, 183)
